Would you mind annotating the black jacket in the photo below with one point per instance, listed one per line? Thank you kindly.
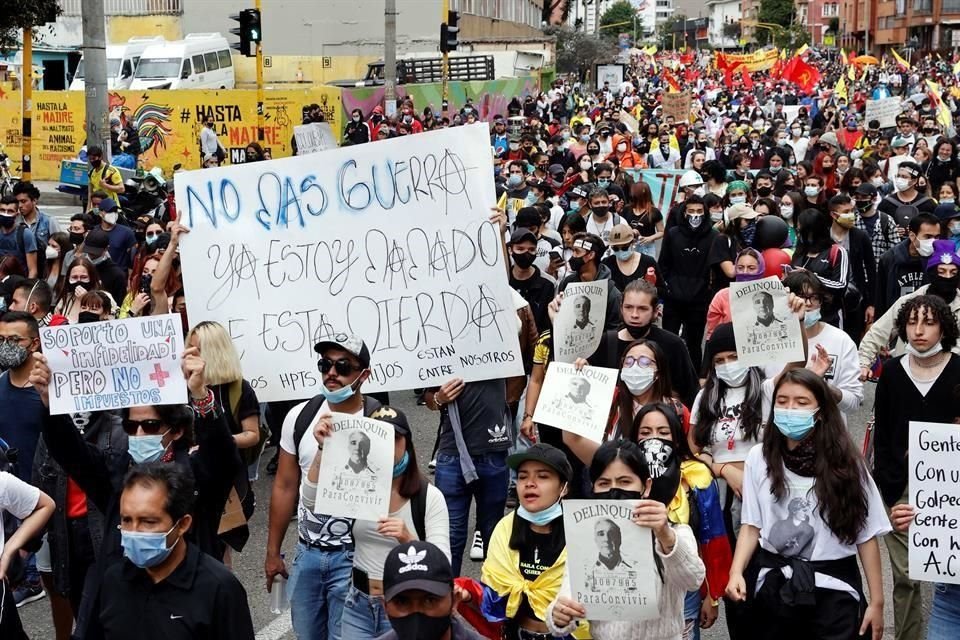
(898, 273)
(863, 264)
(538, 292)
(612, 320)
(100, 474)
(684, 262)
(113, 280)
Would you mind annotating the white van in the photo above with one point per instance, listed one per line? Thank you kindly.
(199, 61)
(122, 60)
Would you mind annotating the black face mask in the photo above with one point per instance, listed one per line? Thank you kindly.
(663, 466)
(576, 263)
(600, 212)
(637, 333)
(72, 286)
(86, 317)
(76, 238)
(618, 494)
(420, 626)
(763, 192)
(864, 205)
(944, 288)
(523, 260)
(7, 221)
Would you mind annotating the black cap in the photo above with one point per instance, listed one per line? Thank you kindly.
(548, 455)
(96, 242)
(545, 187)
(393, 416)
(904, 214)
(579, 191)
(866, 189)
(528, 217)
(946, 212)
(416, 565)
(522, 235)
(349, 343)
(9, 284)
(721, 340)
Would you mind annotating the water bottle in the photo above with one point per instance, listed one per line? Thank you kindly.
(278, 595)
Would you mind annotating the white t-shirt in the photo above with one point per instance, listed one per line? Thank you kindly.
(319, 530)
(371, 548)
(728, 440)
(807, 536)
(16, 497)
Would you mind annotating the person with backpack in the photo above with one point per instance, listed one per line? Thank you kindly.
(819, 253)
(907, 191)
(880, 227)
(33, 508)
(17, 240)
(42, 225)
(900, 270)
(321, 574)
(417, 512)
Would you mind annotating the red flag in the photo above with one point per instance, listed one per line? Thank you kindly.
(777, 70)
(686, 58)
(802, 74)
(690, 75)
(670, 79)
(722, 63)
(747, 80)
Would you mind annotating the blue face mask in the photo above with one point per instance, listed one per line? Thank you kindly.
(794, 423)
(146, 549)
(543, 517)
(514, 180)
(146, 448)
(623, 255)
(399, 468)
(603, 184)
(337, 396)
(530, 200)
(811, 318)
(575, 205)
(749, 232)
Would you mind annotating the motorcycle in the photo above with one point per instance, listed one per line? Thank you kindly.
(7, 181)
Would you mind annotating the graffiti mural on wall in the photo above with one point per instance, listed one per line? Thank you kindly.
(150, 120)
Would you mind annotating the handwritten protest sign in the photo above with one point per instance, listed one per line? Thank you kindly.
(677, 105)
(663, 185)
(610, 560)
(765, 330)
(390, 241)
(629, 121)
(356, 468)
(314, 137)
(115, 364)
(578, 326)
(885, 110)
(934, 485)
(576, 401)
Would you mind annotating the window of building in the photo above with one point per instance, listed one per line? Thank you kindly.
(831, 10)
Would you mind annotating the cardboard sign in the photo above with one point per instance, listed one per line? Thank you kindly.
(934, 485)
(356, 468)
(677, 105)
(576, 401)
(578, 326)
(610, 560)
(763, 326)
(631, 123)
(314, 137)
(885, 110)
(390, 241)
(115, 364)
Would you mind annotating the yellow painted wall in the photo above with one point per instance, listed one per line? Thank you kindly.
(169, 123)
(316, 69)
(121, 28)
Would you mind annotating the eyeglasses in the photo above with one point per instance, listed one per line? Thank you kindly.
(813, 297)
(642, 361)
(150, 427)
(12, 339)
(343, 366)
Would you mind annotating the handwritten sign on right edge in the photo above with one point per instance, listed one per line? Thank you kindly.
(390, 241)
(934, 483)
(610, 560)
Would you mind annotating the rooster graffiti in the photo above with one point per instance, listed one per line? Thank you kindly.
(150, 120)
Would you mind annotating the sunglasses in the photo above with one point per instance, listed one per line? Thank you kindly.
(343, 366)
(150, 427)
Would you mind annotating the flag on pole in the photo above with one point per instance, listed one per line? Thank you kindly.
(943, 111)
(843, 56)
(851, 74)
(802, 50)
(956, 68)
(840, 90)
(896, 56)
(671, 80)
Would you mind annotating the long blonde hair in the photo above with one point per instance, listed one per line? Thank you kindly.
(219, 354)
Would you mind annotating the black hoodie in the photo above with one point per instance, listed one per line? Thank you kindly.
(684, 261)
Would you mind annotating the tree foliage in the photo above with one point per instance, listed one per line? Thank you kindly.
(671, 30)
(16, 15)
(617, 13)
(578, 52)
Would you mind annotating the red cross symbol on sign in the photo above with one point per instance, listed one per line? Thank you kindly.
(159, 376)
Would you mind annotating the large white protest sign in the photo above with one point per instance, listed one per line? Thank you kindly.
(578, 327)
(934, 486)
(115, 364)
(314, 137)
(610, 560)
(390, 241)
(763, 326)
(576, 401)
(885, 110)
(356, 468)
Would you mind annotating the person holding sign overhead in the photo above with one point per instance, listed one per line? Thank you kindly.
(161, 433)
(417, 512)
(919, 386)
(622, 470)
(810, 508)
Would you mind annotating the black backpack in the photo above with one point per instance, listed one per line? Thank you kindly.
(418, 503)
(8, 462)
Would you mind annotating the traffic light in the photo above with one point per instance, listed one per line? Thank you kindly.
(248, 31)
(448, 33)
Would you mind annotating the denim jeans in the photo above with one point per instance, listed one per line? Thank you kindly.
(945, 615)
(691, 611)
(363, 616)
(489, 490)
(317, 590)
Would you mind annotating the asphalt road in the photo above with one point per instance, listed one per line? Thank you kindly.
(249, 565)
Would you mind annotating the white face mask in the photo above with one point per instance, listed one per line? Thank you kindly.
(733, 374)
(638, 379)
(622, 147)
(925, 247)
(110, 218)
(786, 212)
(52, 253)
(901, 184)
(929, 353)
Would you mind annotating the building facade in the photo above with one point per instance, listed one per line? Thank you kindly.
(724, 19)
(907, 25)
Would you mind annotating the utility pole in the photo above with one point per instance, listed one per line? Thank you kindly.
(259, 75)
(390, 57)
(26, 89)
(444, 15)
(866, 27)
(95, 74)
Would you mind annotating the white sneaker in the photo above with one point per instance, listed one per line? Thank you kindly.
(432, 465)
(476, 549)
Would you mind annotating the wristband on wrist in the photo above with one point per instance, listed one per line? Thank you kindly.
(204, 405)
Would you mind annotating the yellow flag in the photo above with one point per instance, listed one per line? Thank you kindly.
(943, 111)
(651, 50)
(843, 56)
(899, 59)
(802, 50)
(956, 68)
(863, 78)
(851, 73)
(840, 90)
